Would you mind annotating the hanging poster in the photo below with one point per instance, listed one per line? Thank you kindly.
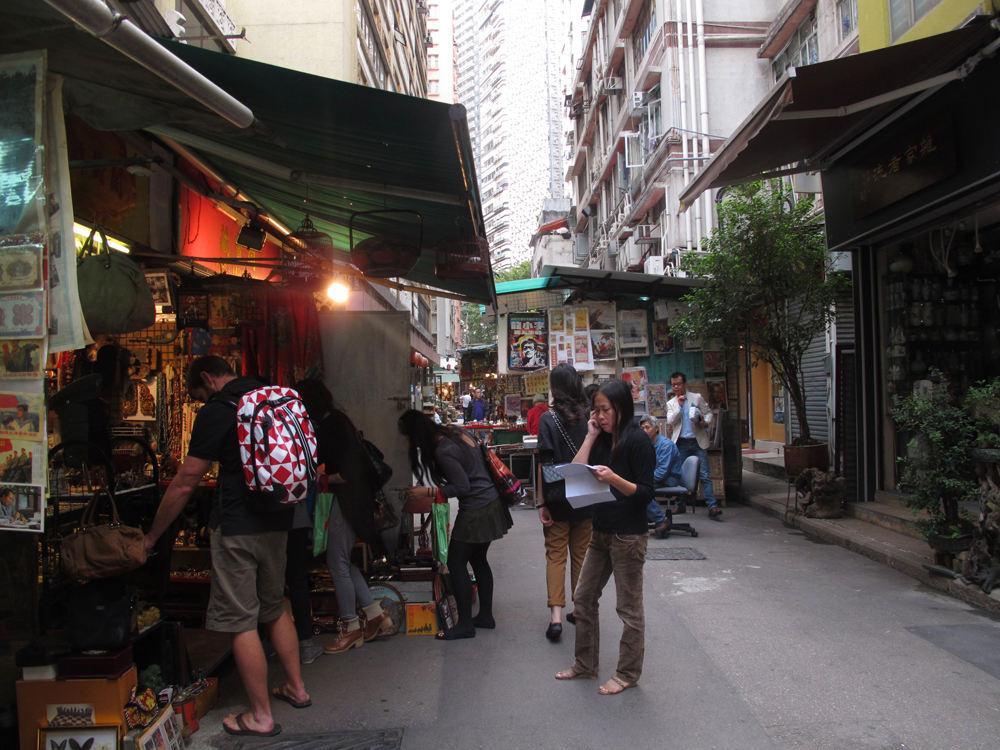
(581, 350)
(18, 464)
(21, 268)
(656, 399)
(536, 382)
(22, 315)
(633, 338)
(139, 401)
(512, 405)
(67, 329)
(22, 88)
(717, 393)
(714, 361)
(21, 415)
(603, 330)
(527, 341)
(22, 508)
(636, 378)
(663, 340)
(22, 358)
(579, 343)
(557, 320)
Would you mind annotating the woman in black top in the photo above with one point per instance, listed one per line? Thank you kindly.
(451, 459)
(623, 458)
(566, 530)
(352, 515)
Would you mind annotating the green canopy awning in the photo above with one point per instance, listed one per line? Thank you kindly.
(416, 150)
(358, 148)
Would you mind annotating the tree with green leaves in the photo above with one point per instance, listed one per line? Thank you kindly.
(769, 280)
(478, 331)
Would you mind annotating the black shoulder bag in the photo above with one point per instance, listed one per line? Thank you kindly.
(553, 484)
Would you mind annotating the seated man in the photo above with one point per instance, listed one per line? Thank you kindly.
(668, 467)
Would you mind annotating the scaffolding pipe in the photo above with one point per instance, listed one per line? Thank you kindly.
(706, 145)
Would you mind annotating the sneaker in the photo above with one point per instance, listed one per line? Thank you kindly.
(309, 651)
(345, 640)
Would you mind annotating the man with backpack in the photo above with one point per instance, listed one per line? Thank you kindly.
(248, 547)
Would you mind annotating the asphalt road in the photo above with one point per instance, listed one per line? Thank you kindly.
(775, 641)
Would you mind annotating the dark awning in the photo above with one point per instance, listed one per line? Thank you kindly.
(358, 148)
(618, 284)
(816, 111)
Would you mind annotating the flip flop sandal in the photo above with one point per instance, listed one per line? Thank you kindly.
(572, 674)
(603, 689)
(245, 731)
(279, 693)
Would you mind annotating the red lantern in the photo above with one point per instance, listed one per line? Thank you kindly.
(423, 361)
(414, 358)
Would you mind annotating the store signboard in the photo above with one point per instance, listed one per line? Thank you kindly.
(920, 156)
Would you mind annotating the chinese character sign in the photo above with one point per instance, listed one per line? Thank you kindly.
(527, 341)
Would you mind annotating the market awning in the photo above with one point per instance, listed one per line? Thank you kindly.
(617, 284)
(817, 111)
(357, 148)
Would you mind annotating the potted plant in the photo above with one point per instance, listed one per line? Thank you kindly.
(938, 468)
(770, 280)
(983, 566)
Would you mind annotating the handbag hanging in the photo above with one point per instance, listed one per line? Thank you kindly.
(114, 294)
(553, 484)
(508, 485)
(379, 470)
(102, 550)
(385, 514)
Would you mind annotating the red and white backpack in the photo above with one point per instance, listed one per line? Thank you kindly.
(277, 445)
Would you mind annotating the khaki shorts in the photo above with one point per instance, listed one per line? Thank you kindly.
(248, 580)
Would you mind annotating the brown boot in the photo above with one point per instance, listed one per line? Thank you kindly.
(346, 638)
(375, 627)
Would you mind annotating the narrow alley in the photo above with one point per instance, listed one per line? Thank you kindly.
(774, 641)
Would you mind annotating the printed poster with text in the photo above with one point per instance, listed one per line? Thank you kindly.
(603, 330)
(583, 358)
(527, 341)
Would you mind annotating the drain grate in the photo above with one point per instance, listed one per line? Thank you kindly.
(674, 553)
(385, 739)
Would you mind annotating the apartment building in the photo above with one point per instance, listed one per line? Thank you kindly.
(442, 80)
(509, 80)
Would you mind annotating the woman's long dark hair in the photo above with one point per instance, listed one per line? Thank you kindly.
(568, 399)
(619, 393)
(422, 433)
(590, 391)
(316, 397)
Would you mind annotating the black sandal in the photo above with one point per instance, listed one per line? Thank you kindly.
(554, 632)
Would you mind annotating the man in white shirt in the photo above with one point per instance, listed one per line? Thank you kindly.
(689, 416)
(466, 398)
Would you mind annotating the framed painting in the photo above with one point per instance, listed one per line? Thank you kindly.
(94, 737)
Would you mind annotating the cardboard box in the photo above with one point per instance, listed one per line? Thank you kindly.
(107, 696)
(205, 700)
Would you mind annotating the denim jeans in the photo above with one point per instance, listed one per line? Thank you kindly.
(348, 583)
(623, 555)
(655, 513)
(689, 447)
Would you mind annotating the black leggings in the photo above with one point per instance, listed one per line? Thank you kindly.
(298, 551)
(460, 554)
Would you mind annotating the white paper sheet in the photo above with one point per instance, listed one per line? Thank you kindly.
(582, 488)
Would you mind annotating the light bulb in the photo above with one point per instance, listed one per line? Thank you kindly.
(338, 292)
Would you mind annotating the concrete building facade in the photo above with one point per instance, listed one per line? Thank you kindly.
(506, 49)
(442, 81)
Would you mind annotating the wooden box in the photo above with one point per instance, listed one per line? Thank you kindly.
(715, 469)
(108, 698)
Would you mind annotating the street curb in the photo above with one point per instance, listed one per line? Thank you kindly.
(880, 552)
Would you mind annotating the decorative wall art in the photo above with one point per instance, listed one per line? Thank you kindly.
(22, 315)
(663, 339)
(603, 330)
(95, 737)
(22, 358)
(22, 507)
(21, 415)
(139, 401)
(636, 378)
(656, 399)
(633, 337)
(21, 268)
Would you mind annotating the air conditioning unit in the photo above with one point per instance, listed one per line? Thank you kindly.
(612, 83)
(653, 265)
(638, 98)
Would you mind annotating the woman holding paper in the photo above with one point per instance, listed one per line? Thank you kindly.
(622, 457)
(561, 432)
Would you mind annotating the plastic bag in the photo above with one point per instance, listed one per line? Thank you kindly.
(440, 528)
(321, 521)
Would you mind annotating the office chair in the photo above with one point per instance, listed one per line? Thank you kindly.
(682, 495)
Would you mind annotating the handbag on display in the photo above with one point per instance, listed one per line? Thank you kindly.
(508, 485)
(553, 484)
(114, 294)
(385, 514)
(102, 550)
(102, 615)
